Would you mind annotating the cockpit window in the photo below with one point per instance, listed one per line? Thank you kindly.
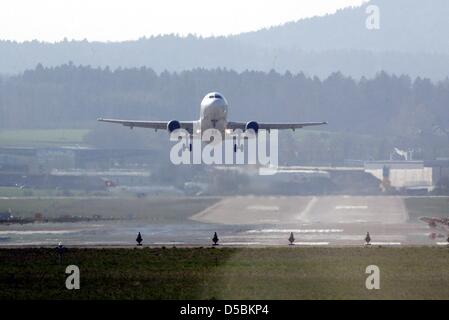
(216, 96)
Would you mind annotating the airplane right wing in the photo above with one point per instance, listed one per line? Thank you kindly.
(275, 125)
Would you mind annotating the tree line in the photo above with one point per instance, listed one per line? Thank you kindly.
(413, 112)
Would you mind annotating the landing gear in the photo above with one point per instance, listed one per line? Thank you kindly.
(190, 147)
(235, 148)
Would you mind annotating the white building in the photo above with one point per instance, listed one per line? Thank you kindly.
(409, 174)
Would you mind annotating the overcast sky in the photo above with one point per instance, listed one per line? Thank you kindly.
(115, 20)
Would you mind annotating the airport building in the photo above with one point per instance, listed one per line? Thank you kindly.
(409, 175)
(73, 168)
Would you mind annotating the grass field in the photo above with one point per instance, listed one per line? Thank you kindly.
(43, 137)
(227, 273)
(34, 192)
(154, 209)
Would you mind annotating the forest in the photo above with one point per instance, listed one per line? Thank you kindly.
(377, 114)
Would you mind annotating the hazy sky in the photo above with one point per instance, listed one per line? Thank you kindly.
(111, 20)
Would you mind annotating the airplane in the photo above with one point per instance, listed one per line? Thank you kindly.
(439, 225)
(213, 115)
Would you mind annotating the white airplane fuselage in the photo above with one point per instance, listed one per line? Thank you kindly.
(213, 113)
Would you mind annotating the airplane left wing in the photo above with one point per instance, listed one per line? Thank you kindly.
(275, 125)
(157, 125)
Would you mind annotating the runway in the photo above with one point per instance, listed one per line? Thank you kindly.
(250, 221)
(333, 220)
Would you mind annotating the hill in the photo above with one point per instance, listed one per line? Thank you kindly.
(411, 40)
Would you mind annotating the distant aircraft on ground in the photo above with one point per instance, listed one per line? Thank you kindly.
(213, 115)
(439, 225)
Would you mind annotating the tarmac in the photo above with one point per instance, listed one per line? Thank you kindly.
(331, 220)
(248, 221)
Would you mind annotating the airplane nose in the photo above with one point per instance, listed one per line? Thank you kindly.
(217, 102)
(218, 105)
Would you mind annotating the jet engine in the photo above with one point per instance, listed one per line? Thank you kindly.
(173, 125)
(252, 125)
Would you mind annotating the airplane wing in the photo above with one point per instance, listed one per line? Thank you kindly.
(275, 125)
(157, 125)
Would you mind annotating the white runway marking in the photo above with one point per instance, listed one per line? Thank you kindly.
(311, 243)
(207, 210)
(167, 243)
(296, 231)
(30, 232)
(386, 243)
(242, 243)
(263, 208)
(304, 213)
(351, 207)
(35, 243)
(269, 220)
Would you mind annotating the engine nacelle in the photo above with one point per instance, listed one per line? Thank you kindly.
(173, 125)
(252, 125)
